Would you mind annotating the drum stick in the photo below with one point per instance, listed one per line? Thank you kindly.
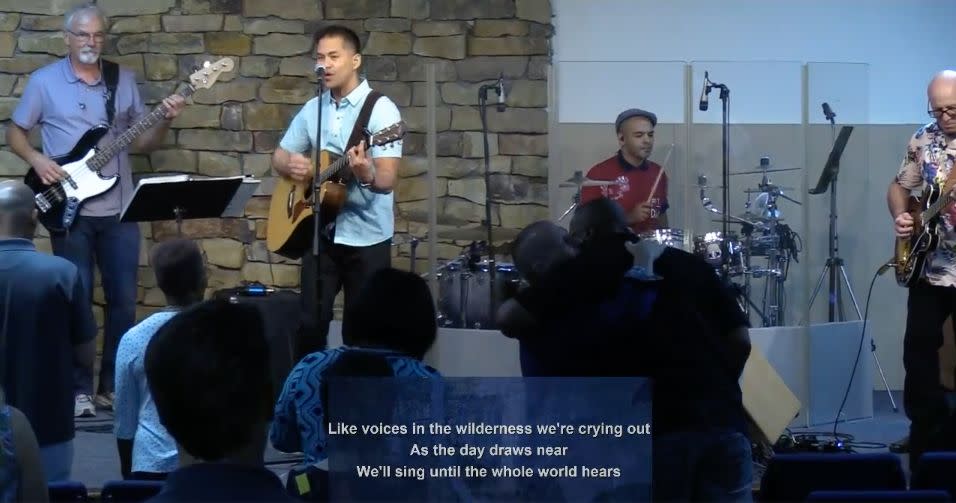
(659, 174)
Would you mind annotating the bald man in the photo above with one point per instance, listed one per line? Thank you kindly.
(929, 159)
(47, 328)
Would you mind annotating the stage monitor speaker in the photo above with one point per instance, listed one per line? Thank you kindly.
(769, 403)
(281, 314)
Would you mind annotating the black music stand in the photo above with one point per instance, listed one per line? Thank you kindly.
(182, 197)
(835, 264)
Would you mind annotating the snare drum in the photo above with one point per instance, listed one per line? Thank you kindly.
(675, 238)
(720, 252)
(464, 293)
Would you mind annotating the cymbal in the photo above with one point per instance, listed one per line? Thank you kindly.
(750, 217)
(579, 180)
(762, 171)
(769, 188)
(480, 234)
(588, 183)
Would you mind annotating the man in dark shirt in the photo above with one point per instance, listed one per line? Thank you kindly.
(45, 330)
(672, 321)
(218, 351)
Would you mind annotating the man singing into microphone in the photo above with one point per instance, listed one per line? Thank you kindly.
(644, 204)
(358, 241)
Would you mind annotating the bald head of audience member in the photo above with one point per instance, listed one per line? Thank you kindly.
(941, 93)
(598, 218)
(180, 271)
(540, 248)
(18, 215)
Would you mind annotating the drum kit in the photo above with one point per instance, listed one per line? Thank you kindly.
(763, 248)
(465, 283)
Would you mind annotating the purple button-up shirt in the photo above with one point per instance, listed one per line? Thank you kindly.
(66, 107)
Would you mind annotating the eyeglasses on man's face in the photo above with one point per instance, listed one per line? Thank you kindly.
(936, 113)
(84, 37)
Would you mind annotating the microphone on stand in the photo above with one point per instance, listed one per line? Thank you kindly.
(828, 113)
(319, 70)
(704, 92)
(502, 100)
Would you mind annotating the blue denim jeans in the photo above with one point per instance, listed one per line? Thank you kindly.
(702, 466)
(114, 247)
(57, 461)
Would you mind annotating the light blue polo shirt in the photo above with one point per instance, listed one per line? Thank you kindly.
(135, 415)
(65, 107)
(367, 217)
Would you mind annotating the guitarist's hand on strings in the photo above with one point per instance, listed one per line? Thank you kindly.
(48, 171)
(174, 105)
(300, 167)
(360, 164)
(903, 225)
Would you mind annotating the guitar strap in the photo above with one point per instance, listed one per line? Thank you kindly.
(111, 79)
(361, 123)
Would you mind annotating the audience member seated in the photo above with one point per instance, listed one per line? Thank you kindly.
(146, 450)
(208, 373)
(21, 472)
(669, 319)
(45, 330)
(393, 316)
(311, 482)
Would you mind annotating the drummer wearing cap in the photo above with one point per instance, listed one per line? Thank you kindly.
(635, 173)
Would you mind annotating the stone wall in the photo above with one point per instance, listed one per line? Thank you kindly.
(234, 126)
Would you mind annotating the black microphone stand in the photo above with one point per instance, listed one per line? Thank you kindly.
(725, 131)
(316, 192)
(483, 109)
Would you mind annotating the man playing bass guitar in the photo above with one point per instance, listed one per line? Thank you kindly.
(357, 241)
(928, 162)
(66, 99)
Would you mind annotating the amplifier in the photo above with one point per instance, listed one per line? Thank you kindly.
(281, 313)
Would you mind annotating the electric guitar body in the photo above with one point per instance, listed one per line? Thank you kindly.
(912, 252)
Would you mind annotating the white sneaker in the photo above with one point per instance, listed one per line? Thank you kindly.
(83, 406)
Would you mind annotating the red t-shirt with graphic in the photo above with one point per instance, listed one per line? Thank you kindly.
(634, 186)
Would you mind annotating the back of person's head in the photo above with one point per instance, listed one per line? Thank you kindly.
(351, 363)
(17, 213)
(540, 247)
(598, 218)
(394, 310)
(180, 270)
(208, 373)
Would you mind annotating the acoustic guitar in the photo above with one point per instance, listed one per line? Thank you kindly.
(912, 252)
(289, 229)
(59, 203)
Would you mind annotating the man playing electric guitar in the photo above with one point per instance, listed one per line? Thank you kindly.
(929, 160)
(66, 99)
(358, 241)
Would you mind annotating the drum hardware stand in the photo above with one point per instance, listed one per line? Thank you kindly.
(575, 199)
(414, 245)
(499, 88)
(828, 178)
(743, 292)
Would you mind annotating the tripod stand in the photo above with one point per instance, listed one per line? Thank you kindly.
(835, 266)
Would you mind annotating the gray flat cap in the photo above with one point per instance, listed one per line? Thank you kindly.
(634, 112)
